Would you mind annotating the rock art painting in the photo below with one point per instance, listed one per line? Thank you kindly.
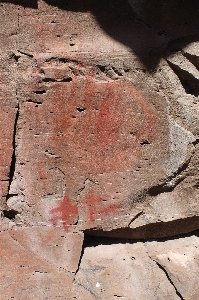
(94, 128)
(102, 124)
(67, 213)
(99, 131)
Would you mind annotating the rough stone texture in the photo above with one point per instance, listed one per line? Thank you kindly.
(28, 275)
(8, 99)
(150, 270)
(99, 137)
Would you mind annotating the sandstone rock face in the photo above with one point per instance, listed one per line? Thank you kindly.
(99, 138)
(151, 270)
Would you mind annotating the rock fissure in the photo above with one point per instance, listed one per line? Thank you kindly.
(186, 71)
(81, 256)
(32, 101)
(85, 183)
(63, 60)
(40, 92)
(154, 230)
(169, 279)
(12, 213)
(192, 58)
(16, 57)
(112, 72)
(137, 216)
(140, 20)
(89, 290)
(196, 142)
(25, 53)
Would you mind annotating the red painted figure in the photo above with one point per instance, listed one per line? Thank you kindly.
(65, 212)
(104, 123)
(95, 204)
(68, 213)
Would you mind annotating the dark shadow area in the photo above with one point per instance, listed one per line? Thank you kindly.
(93, 241)
(10, 214)
(25, 3)
(188, 81)
(158, 230)
(148, 27)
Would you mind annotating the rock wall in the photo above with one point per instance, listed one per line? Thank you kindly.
(99, 149)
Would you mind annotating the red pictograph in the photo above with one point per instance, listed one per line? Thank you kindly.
(95, 206)
(103, 124)
(92, 202)
(110, 210)
(67, 213)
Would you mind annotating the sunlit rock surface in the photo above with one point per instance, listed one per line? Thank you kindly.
(99, 142)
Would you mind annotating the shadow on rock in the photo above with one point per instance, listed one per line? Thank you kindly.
(148, 28)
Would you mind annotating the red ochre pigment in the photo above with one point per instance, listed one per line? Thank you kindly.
(41, 171)
(67, 213)
(94, 205)
(98, 127)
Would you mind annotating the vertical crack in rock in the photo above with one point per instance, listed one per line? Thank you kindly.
(81, 255)
(13, 159)
(167, 275)
(84, 245)
(11, 213)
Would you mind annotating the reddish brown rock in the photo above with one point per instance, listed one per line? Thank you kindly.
(55, 246)
(153, 270)
(179, 260)
(25, 273)
(98, 136)
(90, 138)
(9, 102)
(94, 146)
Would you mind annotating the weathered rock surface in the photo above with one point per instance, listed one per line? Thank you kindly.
(99, 137)
(30, 270)
(150, 270)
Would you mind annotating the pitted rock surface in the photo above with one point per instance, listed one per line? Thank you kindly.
(99, 142)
